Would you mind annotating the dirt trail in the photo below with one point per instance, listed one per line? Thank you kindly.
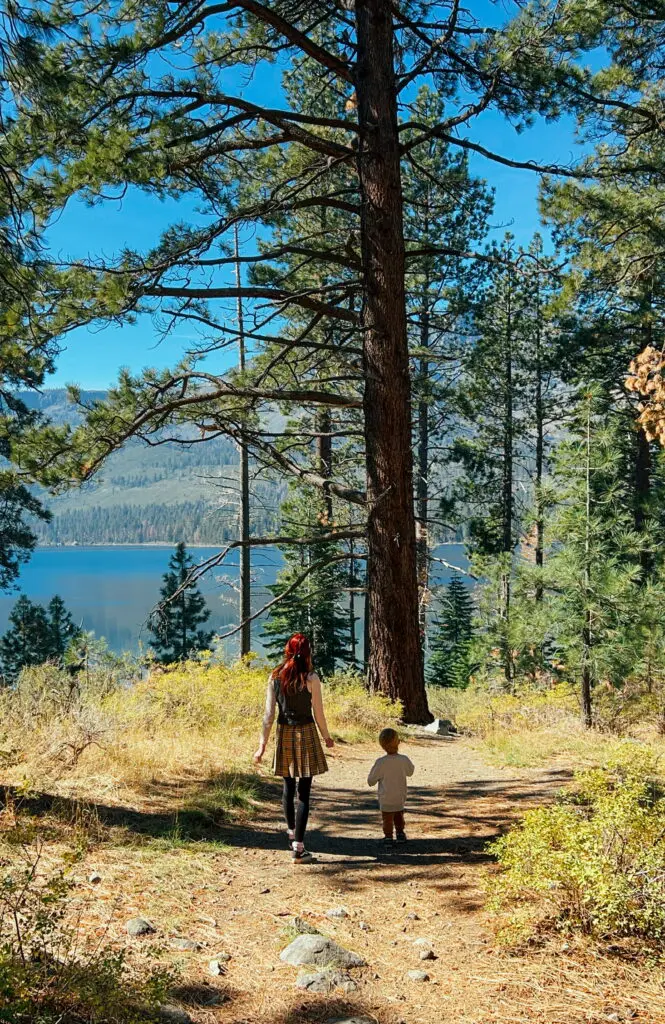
(240, 902)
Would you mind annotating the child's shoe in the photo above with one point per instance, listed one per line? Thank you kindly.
(401, 837)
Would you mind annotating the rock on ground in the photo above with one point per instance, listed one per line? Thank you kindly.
(326, 982)
(317, 949)
(417, 976)
(184, 944)
(174, 1014)
(216, 967)
(441, 726)
(337, 912)
(140, 926)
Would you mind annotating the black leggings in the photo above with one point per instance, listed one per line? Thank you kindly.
(296, 814)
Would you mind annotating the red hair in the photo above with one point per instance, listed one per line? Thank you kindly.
(297, 663)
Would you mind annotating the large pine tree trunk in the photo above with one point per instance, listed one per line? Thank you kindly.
(395, 660)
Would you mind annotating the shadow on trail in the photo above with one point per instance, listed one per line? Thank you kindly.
(445, 824)
(322, 1010)
(198, 811)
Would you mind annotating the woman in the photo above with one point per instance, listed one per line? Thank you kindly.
(295, 688)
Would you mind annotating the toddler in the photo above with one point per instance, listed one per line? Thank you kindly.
(391, 773)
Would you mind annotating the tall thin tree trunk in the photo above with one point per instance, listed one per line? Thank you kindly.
(422, 474)
(395, 658)
(587, 711)
(352, 605)
(324, 457)
(643, 467)
(507, 499)
(245, 551)
(642, 495)
(366, 624)
(540, 445)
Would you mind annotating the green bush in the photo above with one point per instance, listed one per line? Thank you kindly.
(45, 977)
(595, 861)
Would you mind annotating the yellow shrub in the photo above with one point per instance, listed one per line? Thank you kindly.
(184, 721)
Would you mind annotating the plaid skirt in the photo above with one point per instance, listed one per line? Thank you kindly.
(298, 752)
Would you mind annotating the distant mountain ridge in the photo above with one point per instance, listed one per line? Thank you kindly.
(160, 494)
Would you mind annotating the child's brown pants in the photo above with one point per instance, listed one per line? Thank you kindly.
(391, 818)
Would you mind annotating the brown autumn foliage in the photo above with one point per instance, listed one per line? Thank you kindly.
(645, 376)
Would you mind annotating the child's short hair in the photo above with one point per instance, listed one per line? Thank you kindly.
(389, 740)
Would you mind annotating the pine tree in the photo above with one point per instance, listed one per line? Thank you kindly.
(62, 629)
(450, 663)
(28, 639)
(314, 606)
(188, 135)
(36, 635)
(175, 626)
(446, 212)
(591, 579)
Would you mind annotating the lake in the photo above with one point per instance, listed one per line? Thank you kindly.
(112, 590)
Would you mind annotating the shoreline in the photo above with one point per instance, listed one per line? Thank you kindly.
(172, 544)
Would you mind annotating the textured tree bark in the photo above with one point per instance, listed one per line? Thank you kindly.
(395, 660)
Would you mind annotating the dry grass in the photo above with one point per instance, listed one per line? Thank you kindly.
(530, 727)
(181, 725)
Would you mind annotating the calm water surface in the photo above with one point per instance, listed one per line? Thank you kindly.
(112, 590)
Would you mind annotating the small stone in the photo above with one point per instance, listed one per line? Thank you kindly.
(174, 1014)
(441, 727)
(303, 927)
(317, 949)
(412, 917)
(427, 954)
(204, 919)
(337, 912)
(364, 927)
(216, 967)
(326, 982)
(95, 878)
(185, 944)
(417, 976)
(422, 943)
(263, 892)
(140, 926)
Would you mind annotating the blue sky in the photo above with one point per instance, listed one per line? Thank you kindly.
(92, 357)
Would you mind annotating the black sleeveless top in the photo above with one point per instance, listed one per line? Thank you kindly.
(295, 706)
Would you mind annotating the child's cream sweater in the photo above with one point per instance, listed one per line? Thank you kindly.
(391, 773)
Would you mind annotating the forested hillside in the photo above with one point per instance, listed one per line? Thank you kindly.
(150, 495)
